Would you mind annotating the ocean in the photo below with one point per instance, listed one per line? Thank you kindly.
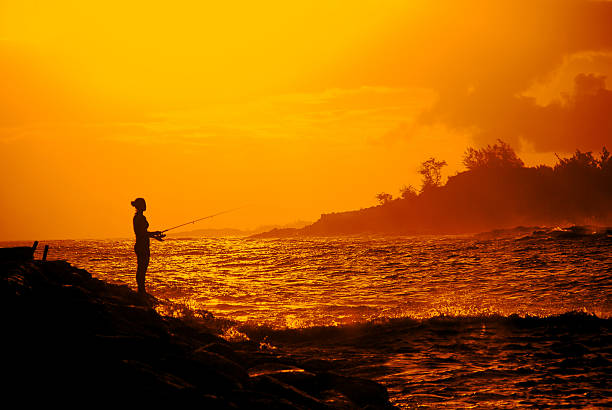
(509, 319)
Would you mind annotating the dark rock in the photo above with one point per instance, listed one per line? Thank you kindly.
(71, 339)
(272, 367)
(309, 382)
(18, 253)
(318, 365)
(220, 364)
(285, 391)
(225, 350)
(363, 392)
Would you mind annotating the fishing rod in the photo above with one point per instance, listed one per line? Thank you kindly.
(200, 219)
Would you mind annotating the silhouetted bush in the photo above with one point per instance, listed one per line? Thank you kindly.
(384, 197)
(431, 170)
(499, 155)
(408, 192)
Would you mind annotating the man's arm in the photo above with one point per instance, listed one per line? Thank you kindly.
(159, 235)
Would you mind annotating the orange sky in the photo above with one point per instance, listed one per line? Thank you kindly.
(294, 108)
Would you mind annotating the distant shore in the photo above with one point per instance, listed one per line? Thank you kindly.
(496, 191)
(570, 231)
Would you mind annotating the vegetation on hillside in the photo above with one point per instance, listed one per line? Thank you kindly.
(496, 190)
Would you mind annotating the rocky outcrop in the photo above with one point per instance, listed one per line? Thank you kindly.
(74, 340)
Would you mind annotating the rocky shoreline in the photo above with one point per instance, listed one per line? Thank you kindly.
(76, 340)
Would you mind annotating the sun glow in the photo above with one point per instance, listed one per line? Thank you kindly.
(296, 108)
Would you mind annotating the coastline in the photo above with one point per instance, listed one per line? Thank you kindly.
(74, 339)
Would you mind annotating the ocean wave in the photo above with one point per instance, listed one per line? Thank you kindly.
(549, 232)
(574, 321)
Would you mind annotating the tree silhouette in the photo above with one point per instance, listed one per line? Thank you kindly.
(604, 159)
(383, 198)
(499, 155)
(408, 192)
(431, 170)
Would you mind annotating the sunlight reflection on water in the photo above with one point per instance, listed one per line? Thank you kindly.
(305, 282)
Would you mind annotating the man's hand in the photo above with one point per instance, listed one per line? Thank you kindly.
(159, 235)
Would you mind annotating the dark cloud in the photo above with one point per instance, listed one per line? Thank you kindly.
(581, 120)
(481, 57)
(495, 108)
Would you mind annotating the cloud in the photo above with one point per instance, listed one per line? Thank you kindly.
(332, 116)
(582, 119)
(560, 82)
(498, 106)
(467, 63)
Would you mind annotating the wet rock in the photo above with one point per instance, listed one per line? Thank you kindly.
(308, 382)
(270, 402)
(225, 350)
(362, 392)
(73, 339)
(17, 253)
(318, 365)
(291, 394)
(272, 367)
(337, 400)
(221, 365)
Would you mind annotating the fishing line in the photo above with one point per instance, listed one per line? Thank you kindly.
(200, 219)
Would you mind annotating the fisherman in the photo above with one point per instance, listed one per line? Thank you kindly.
(141, 247)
